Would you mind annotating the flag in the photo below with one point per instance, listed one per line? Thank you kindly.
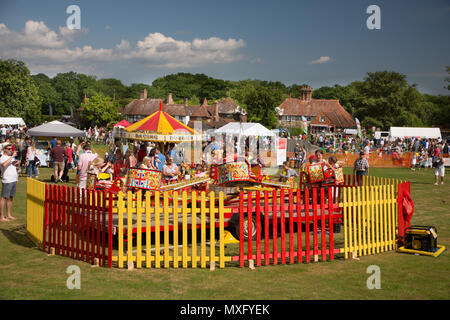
(358, 127)
(305, 125)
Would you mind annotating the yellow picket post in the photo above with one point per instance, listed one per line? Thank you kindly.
(345, 218)
(185, 244)
(166, 229)
(385, 215)
(221, 232)
(358, 192)
(377, 217)
(175, 229)
(203, 231)
(194, 230)
(121, 208)
(354, 213)
(139, 229)
(372, 214)
(363, 222)
(212, 228)
(157, 231)
(148, 228)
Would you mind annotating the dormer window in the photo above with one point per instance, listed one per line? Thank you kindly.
(322, 119)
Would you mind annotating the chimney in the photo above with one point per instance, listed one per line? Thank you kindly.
(185, 102)
(144, 94)
(306, 93)
(169, 99)
(216, 111)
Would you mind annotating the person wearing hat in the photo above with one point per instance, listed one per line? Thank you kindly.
(361, 166)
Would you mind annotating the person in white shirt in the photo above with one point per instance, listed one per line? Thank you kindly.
(8, 165)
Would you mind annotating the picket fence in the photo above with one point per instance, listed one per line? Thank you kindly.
(180, 230)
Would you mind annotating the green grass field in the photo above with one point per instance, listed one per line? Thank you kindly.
(28, 273)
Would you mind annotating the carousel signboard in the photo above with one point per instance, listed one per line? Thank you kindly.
(142, 136)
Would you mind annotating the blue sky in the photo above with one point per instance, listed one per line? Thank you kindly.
(139, 41)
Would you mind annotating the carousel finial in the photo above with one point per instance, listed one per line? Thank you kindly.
(160, 106)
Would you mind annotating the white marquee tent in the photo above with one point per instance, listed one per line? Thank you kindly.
(245, 129)
(55, 129)
(11, 121)
(410, 132)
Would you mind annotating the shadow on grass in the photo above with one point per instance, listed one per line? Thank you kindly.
(18, 235)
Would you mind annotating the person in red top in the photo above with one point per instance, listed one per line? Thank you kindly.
(58, 153)
(69, 154)
(141, 153)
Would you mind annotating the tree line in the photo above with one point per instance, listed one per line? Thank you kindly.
(382, 99)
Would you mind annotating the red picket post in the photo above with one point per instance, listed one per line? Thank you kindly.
(322, 223)
(46, 219)
(104, 208)
(73, 221)
(283, 228)
(241, 229)
(307, 238)
(58, 212)
(258, 228)
(110, 229)
(291, 228)
(274, 226)
(77, 221)
(87, 219)
(249, 226)
(266, 228)
(299, 227)
(98, 216)
(330, 224)
(83, 222)
(315, 240)
(63, 220)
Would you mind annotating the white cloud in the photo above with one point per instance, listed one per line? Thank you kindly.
(40, 46)
(324, 59)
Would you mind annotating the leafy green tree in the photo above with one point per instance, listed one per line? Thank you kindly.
(48, 94)
(260, 104)
(19, 96)
(100, 110)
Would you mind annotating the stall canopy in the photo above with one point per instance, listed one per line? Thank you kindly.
(11, 121)
(245, 129)
(55, 129)
(410, 132)
(122, 124)
(159, 127)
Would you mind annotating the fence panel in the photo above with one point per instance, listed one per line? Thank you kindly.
(75, 223)
(369, 220)
(288, 215)
(170, 219)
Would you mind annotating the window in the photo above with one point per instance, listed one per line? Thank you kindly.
(322, 119)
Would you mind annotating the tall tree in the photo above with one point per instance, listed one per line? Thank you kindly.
(19, 96)
(260, 104)
(100, 110)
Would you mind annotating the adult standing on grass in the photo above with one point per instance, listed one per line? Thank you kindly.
(58, 153)
(439, 169)
(83, 165)
(31, 165)
(361, 166)
(9, 181)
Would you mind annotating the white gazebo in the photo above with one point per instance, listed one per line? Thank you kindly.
(55, 129)
(12, 121)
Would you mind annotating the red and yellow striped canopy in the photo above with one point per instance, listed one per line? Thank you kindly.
(160, 123)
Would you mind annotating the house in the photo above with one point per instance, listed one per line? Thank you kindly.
(213, 116)
(322, 115)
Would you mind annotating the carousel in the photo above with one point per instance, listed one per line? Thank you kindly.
(229, 174)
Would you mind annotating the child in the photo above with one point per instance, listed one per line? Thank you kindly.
(413, 161)
(185, 171)
(287, 172)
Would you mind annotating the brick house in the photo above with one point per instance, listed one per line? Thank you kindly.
(321, 114)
